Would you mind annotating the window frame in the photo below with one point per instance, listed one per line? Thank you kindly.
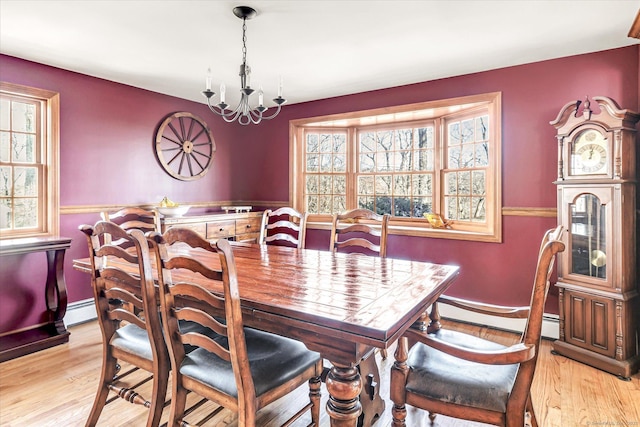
(48, 129)
(392, 117)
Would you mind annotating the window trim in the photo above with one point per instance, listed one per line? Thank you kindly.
(438, 110)
(389, 116)
(50, 145)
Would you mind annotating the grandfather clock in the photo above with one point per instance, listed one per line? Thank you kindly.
(598, 273)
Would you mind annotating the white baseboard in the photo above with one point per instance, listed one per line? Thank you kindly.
(80, 312)
(550, 327)
(85, 310)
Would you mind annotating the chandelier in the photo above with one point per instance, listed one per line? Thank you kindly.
(243, 113)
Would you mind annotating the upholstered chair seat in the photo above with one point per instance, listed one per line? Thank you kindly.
(440, 376)
(132, 339)
(273, 361)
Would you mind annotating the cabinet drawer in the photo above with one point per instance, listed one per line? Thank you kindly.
(248, 237)
(248, 225)
(220, 230)
(198, 228)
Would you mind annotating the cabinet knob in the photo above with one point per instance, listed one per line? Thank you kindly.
(248, 225)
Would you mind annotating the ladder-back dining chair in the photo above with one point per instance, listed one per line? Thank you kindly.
(283, 225)
(131, 331)
(361, 230)
(242, 369)
(463, 376)
(134, 218)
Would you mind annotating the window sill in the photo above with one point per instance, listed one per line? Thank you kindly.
(426, 231)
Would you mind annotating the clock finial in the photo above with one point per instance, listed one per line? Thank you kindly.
(586, 112)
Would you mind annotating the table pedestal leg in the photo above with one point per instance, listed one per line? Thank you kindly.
(344, 384)
(372, 404)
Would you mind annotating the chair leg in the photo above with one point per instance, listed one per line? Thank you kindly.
(160, 384)
(533, 422)
(109, 369)
(398, 379)
(515, 419)
(314, 396)
(399, 413)
(178, 403)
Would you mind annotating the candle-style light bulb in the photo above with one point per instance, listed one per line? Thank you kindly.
(280, 87)
(223, 92)
(260, 96)
(208, 80)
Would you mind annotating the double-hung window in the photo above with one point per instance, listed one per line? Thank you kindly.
(436, 157)
(28, 161)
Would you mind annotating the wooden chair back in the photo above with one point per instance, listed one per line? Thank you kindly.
(360, 228)
(134, 218)
(283, 225)
(138, 309)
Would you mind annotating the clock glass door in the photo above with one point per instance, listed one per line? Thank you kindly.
(588, 237)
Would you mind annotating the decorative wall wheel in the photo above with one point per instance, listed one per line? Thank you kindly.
(185, 146)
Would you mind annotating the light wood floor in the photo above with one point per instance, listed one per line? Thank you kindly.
(55, 387)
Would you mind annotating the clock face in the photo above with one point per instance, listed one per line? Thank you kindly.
(589, 154)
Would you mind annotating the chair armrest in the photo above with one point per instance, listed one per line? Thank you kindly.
(494, 310)
(517, 353)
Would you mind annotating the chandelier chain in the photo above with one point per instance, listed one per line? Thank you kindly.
(244, 41)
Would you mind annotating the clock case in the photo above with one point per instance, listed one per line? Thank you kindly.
(598, 272)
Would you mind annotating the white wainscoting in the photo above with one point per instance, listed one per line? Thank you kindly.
(85, 310)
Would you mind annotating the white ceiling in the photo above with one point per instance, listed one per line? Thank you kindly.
(320, 48)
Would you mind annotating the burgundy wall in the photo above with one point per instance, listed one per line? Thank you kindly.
(106, 137)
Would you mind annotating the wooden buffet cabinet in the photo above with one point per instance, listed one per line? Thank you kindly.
(240, 227)
(598, 273)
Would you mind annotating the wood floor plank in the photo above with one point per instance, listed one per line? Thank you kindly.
(55, 388)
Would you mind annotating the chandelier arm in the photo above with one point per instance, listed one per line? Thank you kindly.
(220, 112)
(255, 116)
(273, 115)
(233, 116)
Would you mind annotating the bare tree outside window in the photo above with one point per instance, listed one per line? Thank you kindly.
(325, 174)
(465, 174)
(395, 170)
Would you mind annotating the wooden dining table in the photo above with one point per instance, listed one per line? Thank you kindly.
(343, 306)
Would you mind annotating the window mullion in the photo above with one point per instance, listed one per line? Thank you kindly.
(352, 168)
(438, 166)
